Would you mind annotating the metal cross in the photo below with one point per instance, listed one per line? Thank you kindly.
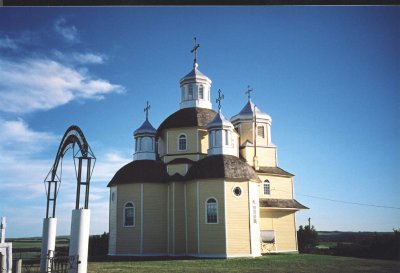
(219, 99)
(249, 90)
(146, 109)
(194, 50)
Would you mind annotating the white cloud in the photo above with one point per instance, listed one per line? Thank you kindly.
(18, 131)
(41, 84)
(22, 175)
(70, 33)
(6, 42)
(88, 58)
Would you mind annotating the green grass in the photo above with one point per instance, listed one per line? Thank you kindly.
(275, 263)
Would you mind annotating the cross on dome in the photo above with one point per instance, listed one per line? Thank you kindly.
(249, 90)
(146, 109)
(194, 50)
(219, 99)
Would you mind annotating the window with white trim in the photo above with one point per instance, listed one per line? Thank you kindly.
(267, 187)
(190, 92)
(254, 212)
(201, 92)
(129, 215)
(211, 211)
(260, 131)
(182, 143)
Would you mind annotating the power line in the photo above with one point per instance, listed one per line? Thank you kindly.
(342, 201)
(348, 202)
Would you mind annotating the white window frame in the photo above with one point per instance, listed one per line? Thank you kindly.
(190, 92)
(265, 183)
(263, 131)
(206, 210)
(201, 92)
(186, 142)
(124, 214)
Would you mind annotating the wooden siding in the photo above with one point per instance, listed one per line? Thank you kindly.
(203, 141)
(177, 168)
(128, 239)
(191, 140)
(282, 222)
(266, 155)
(179, 228)
(281, 187)
(154, 218)
(237, 219)
(191, 199)
(212, 236)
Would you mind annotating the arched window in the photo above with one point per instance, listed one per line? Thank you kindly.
(190, 92)
(201, 92)
(129, 215)
(182, 143)
(267, 187)
(211, 211)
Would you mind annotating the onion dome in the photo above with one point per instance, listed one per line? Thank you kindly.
(222, 166)
(187, 117)
(145, 140)
(247, 113)
(140, 171)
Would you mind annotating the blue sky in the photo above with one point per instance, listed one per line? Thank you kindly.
(328, 76)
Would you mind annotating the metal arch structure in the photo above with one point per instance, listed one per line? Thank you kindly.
(80, 222)
(84, 154)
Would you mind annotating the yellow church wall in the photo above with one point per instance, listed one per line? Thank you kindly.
(128, 239)
(212, 236)
(237, 219)
(177, 168)
(154, 210)
(246, 134)
(266, 155)
(281, 187)
(179, 237)
(191, 212)
(112, 243)
(283, 223)
(203, 141)
(191, 140)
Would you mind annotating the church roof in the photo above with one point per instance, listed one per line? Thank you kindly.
(140, 171)
(219, 121)
(274, 170)
(194, 74)
(146, 127)
(281, 204)
(222, 166)
(188, 117)
(247, 112)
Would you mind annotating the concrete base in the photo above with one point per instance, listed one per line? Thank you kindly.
(79, 240)
(48, 242)
(6, 257)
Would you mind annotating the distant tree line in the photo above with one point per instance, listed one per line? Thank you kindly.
(369, 245)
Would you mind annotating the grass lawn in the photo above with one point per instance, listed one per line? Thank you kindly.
(275, 263)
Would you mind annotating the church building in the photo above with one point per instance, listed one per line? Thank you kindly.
(202, 185)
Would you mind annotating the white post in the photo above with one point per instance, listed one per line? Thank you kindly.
(3, 230)
(48, 242)
(79, 240)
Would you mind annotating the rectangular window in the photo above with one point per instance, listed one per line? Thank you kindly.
(260, 131)
(227, 137)
(254, 214)
(190, 92)
(201, 92)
